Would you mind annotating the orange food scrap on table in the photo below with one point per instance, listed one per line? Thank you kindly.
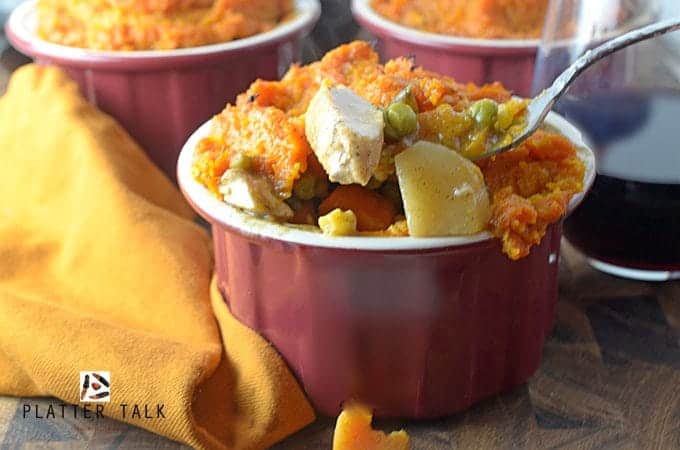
(353, 432)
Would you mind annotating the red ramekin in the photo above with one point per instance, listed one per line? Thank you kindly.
(160, 97)
(510, 61)
(416, 327)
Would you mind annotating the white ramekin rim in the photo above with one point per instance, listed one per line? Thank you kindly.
(216, 211)
(363, 9)
(22, 22)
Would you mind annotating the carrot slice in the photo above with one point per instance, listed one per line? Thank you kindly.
(374, 212)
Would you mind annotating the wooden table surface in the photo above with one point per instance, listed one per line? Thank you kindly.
(610, 376)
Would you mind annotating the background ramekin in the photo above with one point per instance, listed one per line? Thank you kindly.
(160, 97)
(417, 328)
(510, 61)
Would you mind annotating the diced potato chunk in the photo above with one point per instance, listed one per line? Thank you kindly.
(338, 223)
(353, 432)
(444, 194)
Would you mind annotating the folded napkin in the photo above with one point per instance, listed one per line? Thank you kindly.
(102, 268)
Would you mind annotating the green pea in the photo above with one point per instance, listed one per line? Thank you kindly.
(484, 111)
(390, 133)
(305, 188)
(407, 96)
(241, 161)
(505, 117)
(402, 118)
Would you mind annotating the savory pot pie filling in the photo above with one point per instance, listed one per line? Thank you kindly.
(487, 19)
(155, 24)
(360, 148)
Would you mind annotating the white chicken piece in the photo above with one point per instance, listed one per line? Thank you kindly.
(346, 133)
(254, 193)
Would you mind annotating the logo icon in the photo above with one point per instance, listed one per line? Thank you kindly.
(95, 386)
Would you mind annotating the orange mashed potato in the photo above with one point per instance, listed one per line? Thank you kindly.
(155, 24)
(530, 187)
(267, 122)
(488, 19)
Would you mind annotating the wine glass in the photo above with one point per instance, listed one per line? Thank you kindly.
(6, 7)
(628, 107)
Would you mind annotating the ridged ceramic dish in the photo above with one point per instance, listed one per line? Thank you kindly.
(415, 327)
(160, 97)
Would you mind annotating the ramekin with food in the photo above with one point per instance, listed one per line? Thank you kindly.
(354, 231)
(479, 41)
(163, 67)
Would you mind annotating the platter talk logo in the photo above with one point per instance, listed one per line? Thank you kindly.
(95, 386)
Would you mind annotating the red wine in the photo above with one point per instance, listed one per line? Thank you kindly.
(631, 218)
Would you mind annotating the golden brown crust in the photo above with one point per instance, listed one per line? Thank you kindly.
(155, 24)
(490, 19)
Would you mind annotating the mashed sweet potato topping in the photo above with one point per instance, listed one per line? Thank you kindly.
(299, 149)
(155, 24)
(488, 19)
(530, 189)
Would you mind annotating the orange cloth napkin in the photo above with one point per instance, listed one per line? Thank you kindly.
(102, 268)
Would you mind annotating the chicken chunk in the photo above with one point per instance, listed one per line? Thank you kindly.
(346, 133)
(253, 193)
